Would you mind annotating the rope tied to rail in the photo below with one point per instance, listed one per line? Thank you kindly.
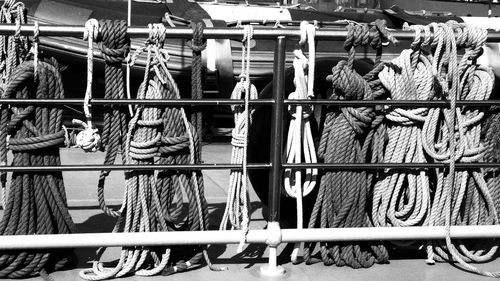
(236, 212)
(403, 198)
(299, 140)
(114, 46)
(461, 197)
(197, 44)
(89, 139)
(349, 134)
(13, 49)
(36, 202)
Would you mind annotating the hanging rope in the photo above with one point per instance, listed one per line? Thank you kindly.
(36, 202)
(349, 134)
(300, 140)
(236, 212)
(13, 48)
(461, 197)
(402, 198)
(114, 46)
(89, 139)
(197, 44)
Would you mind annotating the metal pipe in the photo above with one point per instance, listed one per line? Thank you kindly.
(83, 240)
(253, 166)
(135, 101)
(406, 103)
(276, 149)
(70, 168)
(209, 32)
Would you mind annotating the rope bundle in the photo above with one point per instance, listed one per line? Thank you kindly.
(402, 198)
(36, 201)
(460, 197)
(299, 140)
(114, 46)
(349, 135)
(236, 211)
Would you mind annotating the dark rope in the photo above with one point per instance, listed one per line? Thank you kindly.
(36, 202)
(114, 45)
(350, 135)
(197, 44)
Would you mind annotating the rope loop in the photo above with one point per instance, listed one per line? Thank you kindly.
(113, 43)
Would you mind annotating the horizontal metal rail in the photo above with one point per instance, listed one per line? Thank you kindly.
(209, 32)
(179, 102)
(251, 166)
(84, 240)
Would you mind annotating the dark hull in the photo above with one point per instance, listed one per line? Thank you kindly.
(458, 8)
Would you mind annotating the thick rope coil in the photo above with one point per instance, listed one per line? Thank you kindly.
(11, 55)
(402, 198)
(236, 212)
(349, 134)
(89, 139)
(299, 140)
(197, 44)
(36, 202)
(114, 46)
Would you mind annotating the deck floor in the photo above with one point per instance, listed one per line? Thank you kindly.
(81, 190)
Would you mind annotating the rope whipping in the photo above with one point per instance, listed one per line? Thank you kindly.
(36, 201)
(403, 197)
(89, 139)
(461, 197)
(197, 44)
(114, 46)
(299, 140)
(350, 135)
(236, 212)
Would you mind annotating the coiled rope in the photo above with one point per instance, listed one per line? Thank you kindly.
(348, 135)
(89, 139)
(11, 55)
(114, 46)
(236, 212)
(299, 139)
(402, 198)
(36, 201)
(461, 197)
(13, 49)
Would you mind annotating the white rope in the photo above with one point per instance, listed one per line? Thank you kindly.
(402, 198)
(236, 212)
(88, 139)
(299, 139)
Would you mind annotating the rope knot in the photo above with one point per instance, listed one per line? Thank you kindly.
(142, 150)
(88, 139)
(198, 43)
(114, 44)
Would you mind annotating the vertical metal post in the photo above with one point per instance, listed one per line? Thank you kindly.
(275, 176)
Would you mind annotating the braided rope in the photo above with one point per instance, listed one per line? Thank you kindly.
(36, 202)
(114, 46)
(236, 212)
(300, 138)
(89, 139)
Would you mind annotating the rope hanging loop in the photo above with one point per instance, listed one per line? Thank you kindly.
(89, 139)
